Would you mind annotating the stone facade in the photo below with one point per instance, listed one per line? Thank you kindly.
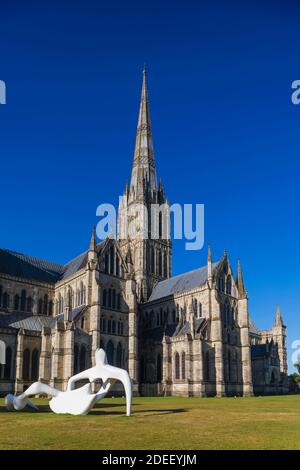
(186, 335)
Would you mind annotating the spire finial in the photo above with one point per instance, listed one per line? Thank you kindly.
(209, 256)
(240, 281)
(144, 69)
(93, 239)
(278, 317)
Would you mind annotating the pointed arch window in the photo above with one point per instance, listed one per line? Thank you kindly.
(177, 366)
(183, 365)
(35, 365)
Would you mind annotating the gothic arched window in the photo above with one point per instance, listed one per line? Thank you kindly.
(109, 298)
(35, 365)
(183, 365)
(177, 366)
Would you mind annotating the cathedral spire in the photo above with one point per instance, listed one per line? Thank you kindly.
(278, 318)
(240, 282)
(143, 171)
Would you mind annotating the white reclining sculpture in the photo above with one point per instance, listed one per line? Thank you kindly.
(81, 400)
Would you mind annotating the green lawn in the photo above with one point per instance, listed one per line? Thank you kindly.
(159, 423)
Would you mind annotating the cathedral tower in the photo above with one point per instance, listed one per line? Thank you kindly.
(143, 219)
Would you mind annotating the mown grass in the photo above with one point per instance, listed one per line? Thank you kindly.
(159, 423)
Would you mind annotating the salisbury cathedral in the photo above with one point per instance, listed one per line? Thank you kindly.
(189, 335)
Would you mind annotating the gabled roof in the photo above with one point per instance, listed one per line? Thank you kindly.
(181, 283)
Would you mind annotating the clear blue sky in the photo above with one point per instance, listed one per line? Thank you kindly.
(225, 131)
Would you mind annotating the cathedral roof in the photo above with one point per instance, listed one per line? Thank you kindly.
(29, 267)
(182, 282)
(252, 327)
(30, 322)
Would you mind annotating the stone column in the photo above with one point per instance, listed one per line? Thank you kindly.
(57, 356)
(245, 346)
(132, 332)
(217, 342)
(19, 362)
(45, 357)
